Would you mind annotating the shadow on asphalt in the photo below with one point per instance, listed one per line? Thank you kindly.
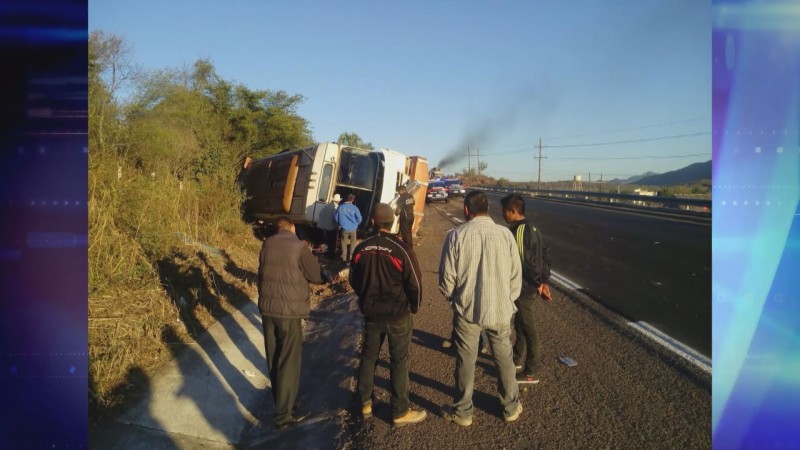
(489, 403)
(431, 341)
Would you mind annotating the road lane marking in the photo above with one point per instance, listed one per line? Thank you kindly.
(565, 281)
(673, 345)
(449, 217)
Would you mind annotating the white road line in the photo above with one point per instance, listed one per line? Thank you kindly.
(673, 345)
(648, 330)
(563, 280)
(450, 217)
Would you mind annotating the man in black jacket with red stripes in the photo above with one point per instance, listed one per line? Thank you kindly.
(385, 275)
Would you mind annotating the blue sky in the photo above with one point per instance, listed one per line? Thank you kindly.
(431, 78)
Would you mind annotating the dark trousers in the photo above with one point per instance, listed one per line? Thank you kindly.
(283, 339)
(332, 241)
(405, 232)
(526, 346)
(399, 333)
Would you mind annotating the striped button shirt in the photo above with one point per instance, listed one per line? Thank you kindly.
(480, 272)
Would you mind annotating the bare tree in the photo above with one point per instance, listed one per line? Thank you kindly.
(111, 55)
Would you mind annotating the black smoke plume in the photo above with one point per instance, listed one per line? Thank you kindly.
(532, 106)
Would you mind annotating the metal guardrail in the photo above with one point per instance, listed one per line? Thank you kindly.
(670, 203)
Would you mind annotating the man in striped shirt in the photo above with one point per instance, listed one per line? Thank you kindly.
(480, 275)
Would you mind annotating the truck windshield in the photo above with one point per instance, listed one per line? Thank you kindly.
(357, 169)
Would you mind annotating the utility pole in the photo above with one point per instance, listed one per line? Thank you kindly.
(479, 161)
(539, 182)
(469, 161)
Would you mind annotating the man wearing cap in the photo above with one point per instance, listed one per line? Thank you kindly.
(327, 224)
(385, 276)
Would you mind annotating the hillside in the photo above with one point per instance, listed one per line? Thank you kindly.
(692, 172)
(632, 179)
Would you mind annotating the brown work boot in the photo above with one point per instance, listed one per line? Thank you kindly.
(409, 417)
(366, 409)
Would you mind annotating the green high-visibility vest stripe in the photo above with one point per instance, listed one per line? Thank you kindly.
(521, 240)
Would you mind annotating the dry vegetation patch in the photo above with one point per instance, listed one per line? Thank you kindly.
(186, 292)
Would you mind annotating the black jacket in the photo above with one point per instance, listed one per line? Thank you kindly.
(385, 275)
(530, 271)
(405, 207)
(285, 267)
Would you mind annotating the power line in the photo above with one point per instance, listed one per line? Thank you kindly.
(510, 151)
(643, 127)
(629, 129)
(660, 138)
(634, 157)
(595, 144)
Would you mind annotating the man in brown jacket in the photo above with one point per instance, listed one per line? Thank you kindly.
(285, 267)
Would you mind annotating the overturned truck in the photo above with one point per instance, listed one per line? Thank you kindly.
(299, 183)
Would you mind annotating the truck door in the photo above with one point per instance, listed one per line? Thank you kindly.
(324, 193)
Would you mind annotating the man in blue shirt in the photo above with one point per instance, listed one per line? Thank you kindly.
(348, 217)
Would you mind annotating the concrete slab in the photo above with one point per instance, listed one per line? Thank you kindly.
(211, 390)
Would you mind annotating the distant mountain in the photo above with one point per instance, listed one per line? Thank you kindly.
(632, 179)
(692, 172)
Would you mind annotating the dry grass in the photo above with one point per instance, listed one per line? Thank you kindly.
(147, 287)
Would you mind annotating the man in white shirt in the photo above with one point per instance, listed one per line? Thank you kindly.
(480, 275)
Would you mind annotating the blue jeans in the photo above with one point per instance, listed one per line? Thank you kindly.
(466, 336)
(399, 333)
